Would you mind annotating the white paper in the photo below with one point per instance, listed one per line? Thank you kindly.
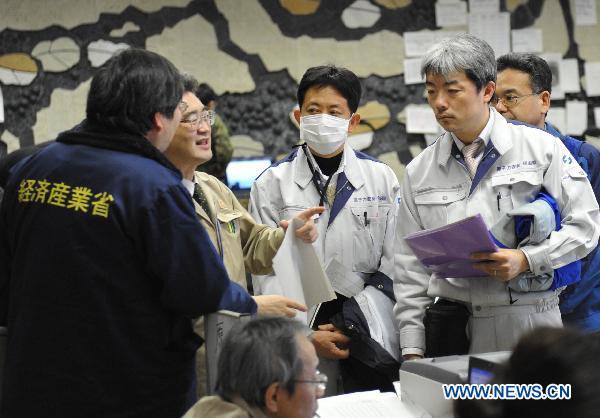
(418, 43)
(592, 78)
(363, 405)
(302, 277)
(586, 13)
(597, 116)
(420, 119)
(484, 6)
(527, 40)
(451, 14)
(412, 71)
(576, 117)
(554, 62)
(1, 107)
(569, 75)
(557, 116)
(494, 28)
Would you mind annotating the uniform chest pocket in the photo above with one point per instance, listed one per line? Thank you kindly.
(370, 223)
(229, 221)
(434, 205)
(514, 190)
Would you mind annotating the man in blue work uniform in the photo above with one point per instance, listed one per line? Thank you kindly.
(103, 264)
(523, 92)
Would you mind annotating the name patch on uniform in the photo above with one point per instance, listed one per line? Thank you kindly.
(75, 198)
(381, 198)
(526, 163)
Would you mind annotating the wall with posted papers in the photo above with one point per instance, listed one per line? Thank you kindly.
(254, 52)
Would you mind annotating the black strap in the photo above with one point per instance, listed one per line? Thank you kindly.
(316, 177)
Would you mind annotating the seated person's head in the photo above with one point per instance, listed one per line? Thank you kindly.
(270, 364)
(547, 356)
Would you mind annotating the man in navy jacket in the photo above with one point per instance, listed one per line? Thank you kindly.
(102, 261)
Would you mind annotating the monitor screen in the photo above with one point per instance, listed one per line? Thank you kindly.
(481, 371)
(241, 172)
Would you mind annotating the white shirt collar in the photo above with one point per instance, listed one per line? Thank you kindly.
(189, 185)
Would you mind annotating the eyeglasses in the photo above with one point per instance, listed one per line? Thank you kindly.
(510, 100)
(193, 120)
(320, 382)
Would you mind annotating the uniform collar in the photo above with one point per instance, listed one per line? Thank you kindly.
(348, 165)
(499, 135)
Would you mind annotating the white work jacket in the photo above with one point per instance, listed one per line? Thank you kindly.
(356, 233)
(518, 162)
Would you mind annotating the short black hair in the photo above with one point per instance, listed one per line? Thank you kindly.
(130, 88)
(540, 74)
(342, 79)
(205, 93)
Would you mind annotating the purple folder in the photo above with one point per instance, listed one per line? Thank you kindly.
(446, 250)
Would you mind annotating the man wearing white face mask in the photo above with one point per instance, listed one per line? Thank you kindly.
(356, 232)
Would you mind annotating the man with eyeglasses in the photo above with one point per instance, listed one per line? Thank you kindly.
(267, 369)
(523, 93)
(243, 244)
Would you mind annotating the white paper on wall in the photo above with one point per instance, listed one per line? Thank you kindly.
(494, 28)
(576, 117)
(527, 40)
(592, 78)
(420, 119)
(586, 13)
(569, 75)
(412, 71)
(451, 14)
(416, 44)
(484, 6)
(557, 117)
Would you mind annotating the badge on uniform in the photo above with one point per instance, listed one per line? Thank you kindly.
(231, 227)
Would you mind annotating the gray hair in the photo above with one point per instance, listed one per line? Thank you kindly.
(465, 53)
(256, 354)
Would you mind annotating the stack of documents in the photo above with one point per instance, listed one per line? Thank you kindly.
(373, 404)
(447, 250)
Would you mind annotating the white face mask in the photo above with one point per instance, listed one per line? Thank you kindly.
(324, 133)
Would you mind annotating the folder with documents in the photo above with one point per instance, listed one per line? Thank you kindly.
(446, 250)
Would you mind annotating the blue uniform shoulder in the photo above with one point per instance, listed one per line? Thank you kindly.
(362, 156)
(288, 159)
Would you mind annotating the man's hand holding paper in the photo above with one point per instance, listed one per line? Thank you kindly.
(503, 265)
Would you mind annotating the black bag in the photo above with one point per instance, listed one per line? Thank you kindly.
(446, 329)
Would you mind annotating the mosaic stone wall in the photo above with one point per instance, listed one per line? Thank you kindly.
(252, 52)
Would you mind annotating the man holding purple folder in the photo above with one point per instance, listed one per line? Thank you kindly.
(485, 165)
